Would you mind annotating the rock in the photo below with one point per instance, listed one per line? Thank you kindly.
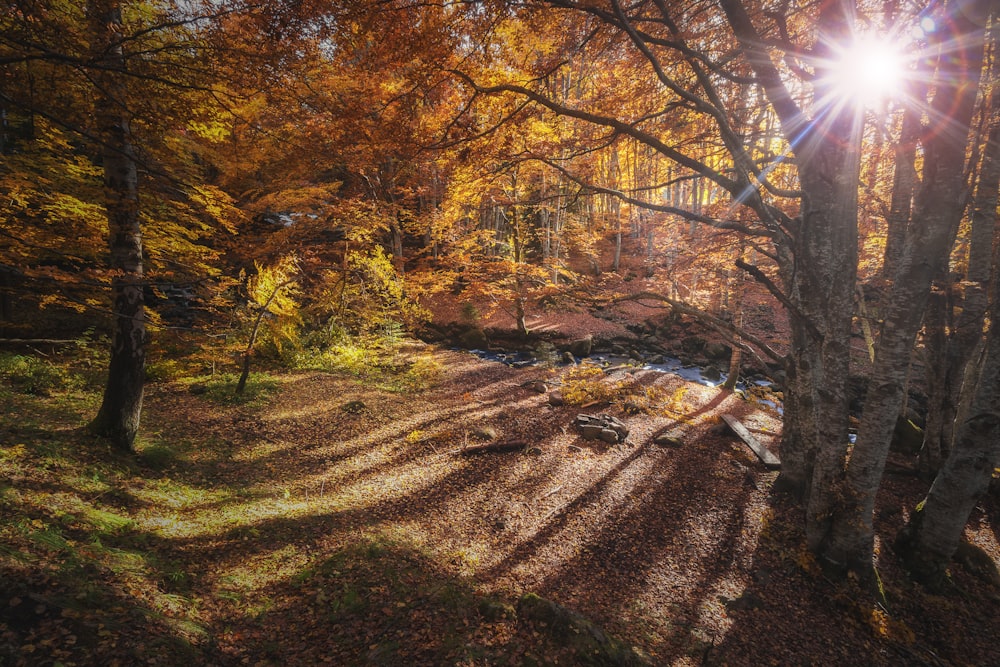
(485, 432)
(717, 351)
(602, 427)
(589, 643)
(556, 399)
(744, 602)
(198, 389)
(538, 387)
(711, 373)
(667, 440)
(354, 407)
(568, 358)
(693, 344)
(581, 347)
(473, 338)
(492, 609)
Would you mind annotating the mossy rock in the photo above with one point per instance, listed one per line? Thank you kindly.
(474, 338)
(589, 643)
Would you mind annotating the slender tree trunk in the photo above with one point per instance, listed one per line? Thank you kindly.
(939, 206)
(904, 180)
(121, 408)
(248, 353)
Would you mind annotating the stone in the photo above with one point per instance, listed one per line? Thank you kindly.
(667, 440)
(354, 407)
(711, 373)
(474, 338)
(603, 427)
(568, 358)
(609, 435)
(556, 399)
(587, 642)
(717, 351)
(907, 437)
(693, 344)
(485, 432)
(581, 347)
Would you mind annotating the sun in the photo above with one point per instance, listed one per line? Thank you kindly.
(869, 71)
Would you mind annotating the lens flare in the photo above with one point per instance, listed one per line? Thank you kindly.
(869, 72)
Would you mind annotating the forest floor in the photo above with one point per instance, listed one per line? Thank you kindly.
(337, 520)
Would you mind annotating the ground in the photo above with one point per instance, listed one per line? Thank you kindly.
(338, 521)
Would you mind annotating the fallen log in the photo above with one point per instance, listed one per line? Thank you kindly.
(506, 446)
(769, 460)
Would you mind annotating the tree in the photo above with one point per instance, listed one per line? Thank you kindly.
(811, 163)
(121, 407)
(122, 83)
(939, 205)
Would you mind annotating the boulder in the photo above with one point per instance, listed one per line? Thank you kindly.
(581, 347)
(590, 645)
(667, 440)
(907, 437)
(717, 351)
(602, 427)
(473, 338)
(711, 373)
(693, 344)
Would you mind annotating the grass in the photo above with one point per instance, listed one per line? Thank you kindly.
(121, 548)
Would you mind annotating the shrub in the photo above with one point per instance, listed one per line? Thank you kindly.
(31, 375)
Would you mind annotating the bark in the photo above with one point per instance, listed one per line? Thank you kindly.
(904, 180)
(248, 353)
(818, 269)
(121, 408)
(934, 532)
(966, 328)
(939, 205)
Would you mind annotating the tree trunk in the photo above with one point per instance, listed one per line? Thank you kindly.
(818, 267)
(966, 331)
(939, 206)
(930, 539)
(904, 180)
(119, 414)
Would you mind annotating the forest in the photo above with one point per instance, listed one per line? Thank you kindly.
(499, 332)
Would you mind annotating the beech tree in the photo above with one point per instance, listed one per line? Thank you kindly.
(801, 189)
(109, 67)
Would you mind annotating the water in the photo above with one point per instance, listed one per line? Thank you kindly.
(672, 365)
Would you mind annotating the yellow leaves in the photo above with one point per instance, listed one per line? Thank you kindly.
(218, 205)
(887, 627)
(273, 286)
(212, 130)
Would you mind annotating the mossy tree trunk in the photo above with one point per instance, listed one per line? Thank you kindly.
(121, 407)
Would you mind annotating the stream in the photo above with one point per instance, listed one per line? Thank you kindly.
(706, 376)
